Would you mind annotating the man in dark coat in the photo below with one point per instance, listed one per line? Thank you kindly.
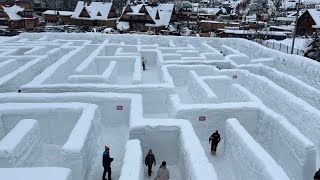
(149, 160)
(317, 175)
(215, 139)
(106, 162)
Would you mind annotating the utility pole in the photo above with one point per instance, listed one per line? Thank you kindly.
(295, 27)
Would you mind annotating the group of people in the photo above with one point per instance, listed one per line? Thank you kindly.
(162, 174)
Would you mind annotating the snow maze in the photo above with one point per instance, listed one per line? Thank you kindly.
(65, 96)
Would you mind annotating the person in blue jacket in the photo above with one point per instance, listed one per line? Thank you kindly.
(106, 163)
(149, 160)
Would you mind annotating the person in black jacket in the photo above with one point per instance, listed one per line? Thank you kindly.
(149, 160)
(317, 175)
(215, 139)
(106, 162)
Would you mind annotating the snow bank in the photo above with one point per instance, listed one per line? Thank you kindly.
(17, 145)
(247, 158)
(48, 173)
(174, 141)
(132, 168)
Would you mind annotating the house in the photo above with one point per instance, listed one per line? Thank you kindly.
(309, 21)
(144, 17)
(95, 14)
(18, 16)
(53, 16)
(212, 26)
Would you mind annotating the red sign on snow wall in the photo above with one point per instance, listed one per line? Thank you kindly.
(119, 108)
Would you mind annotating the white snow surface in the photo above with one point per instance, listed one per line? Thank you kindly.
(66, 96)
(13, 11)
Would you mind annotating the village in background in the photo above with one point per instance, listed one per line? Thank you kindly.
(271, 23)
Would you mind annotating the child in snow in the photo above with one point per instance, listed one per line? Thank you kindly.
(215, 139)
(163, 172)
(317, 175)
(149, 160)
(106, 163)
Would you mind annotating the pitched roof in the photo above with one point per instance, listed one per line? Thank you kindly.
(160, 14)
(315, 14)
(93, 9)
(13, 11)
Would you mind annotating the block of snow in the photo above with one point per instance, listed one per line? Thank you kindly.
(48, 173)
(133, 162)
(247, 158)
(19, 143)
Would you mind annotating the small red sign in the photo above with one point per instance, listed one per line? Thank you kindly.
(234, 76)
(119, 108)
(202, 118)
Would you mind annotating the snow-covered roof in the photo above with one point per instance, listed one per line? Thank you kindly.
(209, 10)
(13, 11)
(96, 10)
(62, 13)
(164, 10)
(165, 13)
(315, 14)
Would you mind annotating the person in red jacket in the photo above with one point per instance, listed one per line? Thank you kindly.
(149, 160)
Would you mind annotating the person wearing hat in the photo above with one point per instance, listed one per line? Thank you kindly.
(149, 160)
(317, 175)
(163, 172)
(106, 163)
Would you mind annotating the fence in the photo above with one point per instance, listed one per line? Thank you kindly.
(280, 47)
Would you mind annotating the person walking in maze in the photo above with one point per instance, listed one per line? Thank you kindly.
(317, 175)
(214, 139)
(163, 172)
(143, 63)
(149, 161)
(106, 163)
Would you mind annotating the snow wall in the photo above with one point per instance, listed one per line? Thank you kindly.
(132, 168)
(297, 87)
(17, 145)
(247, 158)
(48, 173)
(295, 153)
(176, 143)
(73, 136)
(305, 69)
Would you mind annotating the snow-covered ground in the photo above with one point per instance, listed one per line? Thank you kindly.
(66, 96)
(300, 43)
